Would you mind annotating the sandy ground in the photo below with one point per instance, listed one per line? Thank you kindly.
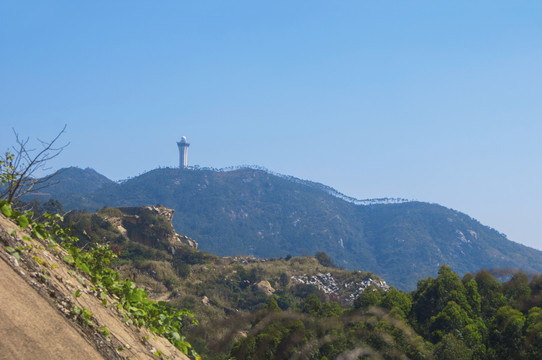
(31, 329)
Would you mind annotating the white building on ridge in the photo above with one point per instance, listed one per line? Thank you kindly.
(183, 152)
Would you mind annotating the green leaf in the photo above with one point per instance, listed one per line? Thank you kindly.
(13, 252)
(23, 221)
(69, 259)
(76, 310)
(77, 293)
(12, 232)
(39, 232)
(105, 331)
(82, 266)
(6, 210)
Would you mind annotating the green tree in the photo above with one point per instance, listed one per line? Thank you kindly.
(371, 296)
(507, 333)
(397, 301)
(433, 295)
(490, 291)
(284, 279)
(452, 319)
(451, 348)
(533, 334)
(312, 305)
(475, 337)
(272, 304)
(536, 285)
(517, 289)
(324, 259)
(331, 309)
(473, 297)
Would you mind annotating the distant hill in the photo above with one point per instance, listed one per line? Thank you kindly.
(253, 212)
(74, 180)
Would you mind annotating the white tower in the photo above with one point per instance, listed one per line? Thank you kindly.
(183, 152)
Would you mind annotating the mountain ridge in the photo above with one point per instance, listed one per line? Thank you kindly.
(254, 212)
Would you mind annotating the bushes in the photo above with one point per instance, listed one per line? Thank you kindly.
(137, 252)
(286, 335)
(188, 255)
(111, 212)
(324, 259)
(161, 226)
(161, 271)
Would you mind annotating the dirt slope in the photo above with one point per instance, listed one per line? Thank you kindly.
(36, 298)
(27, 334)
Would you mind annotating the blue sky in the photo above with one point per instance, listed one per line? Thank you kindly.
(433, 101)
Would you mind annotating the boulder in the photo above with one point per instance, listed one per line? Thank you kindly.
(265, 286)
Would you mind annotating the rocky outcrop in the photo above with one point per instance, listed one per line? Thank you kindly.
(265, 287)
(182, 239)
(347, 290)
(151, 225)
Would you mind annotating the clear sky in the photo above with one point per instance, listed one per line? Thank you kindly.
(427, 100)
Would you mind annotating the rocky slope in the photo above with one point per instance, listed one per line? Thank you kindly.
(39, 292)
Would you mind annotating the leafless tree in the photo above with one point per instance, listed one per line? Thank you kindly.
(20, 165)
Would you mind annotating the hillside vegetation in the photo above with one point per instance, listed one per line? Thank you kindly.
(305, 308)
(253, 212)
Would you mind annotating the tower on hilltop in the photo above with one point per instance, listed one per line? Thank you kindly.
(183, 152)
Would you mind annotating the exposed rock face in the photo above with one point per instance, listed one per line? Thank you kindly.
(265, 287)
(186, 241)
(150, 225)
(348, 290)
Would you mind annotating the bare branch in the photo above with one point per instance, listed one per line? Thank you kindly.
(18, 171)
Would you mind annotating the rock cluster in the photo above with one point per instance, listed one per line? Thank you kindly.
(250, 260)
(324, 282)
(185, 240)
(360, 286)
(347, 291)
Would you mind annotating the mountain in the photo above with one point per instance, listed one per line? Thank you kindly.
(253, 212)
(74, 180)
